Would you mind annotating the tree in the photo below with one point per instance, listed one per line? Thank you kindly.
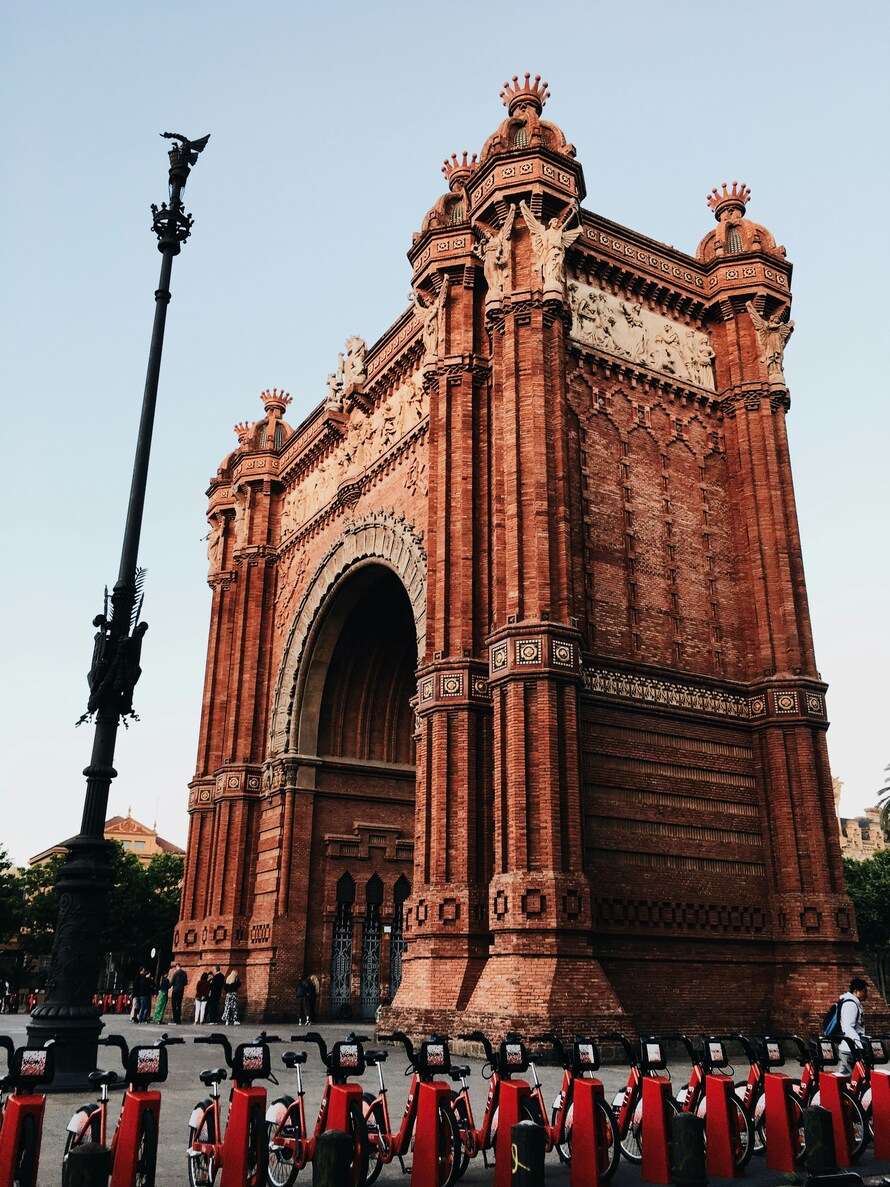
(11, 899)
(868, 885)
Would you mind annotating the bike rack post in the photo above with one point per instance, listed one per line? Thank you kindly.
(720, 1132)
(512, 1093)
(830, 1084)
(588, 1138)
(17, 1108)
(528, 1143)
(655, 1138)
(234, 1171)
(425, 1166)
(127, 1152)
(783, 1136)
(88, 1165)
(880, 1112)
(333, 1157)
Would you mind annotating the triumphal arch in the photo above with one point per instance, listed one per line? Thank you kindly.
(511, 704)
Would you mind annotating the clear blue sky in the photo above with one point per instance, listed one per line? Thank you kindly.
(329, 125)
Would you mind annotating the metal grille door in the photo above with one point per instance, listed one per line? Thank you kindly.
(397, 947)
(341, 959)
(370, 987)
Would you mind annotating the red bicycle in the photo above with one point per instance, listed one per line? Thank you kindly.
(289, 1144)
(492, 1137)
(708, 1058)
(583, 1061)
(240, 1147)
(645, 1058)
(21, 1114)
(134, 1144)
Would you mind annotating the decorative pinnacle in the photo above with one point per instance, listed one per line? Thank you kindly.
(243, 430)
(535, 94)
(737, 197)
(456, 172)
(275, 401)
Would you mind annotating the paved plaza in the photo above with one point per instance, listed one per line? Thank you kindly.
(183, 1089)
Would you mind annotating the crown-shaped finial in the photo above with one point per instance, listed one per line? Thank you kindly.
(534, 93)
(243, 430)
(456, 172)
(737, 197)
(275, 400)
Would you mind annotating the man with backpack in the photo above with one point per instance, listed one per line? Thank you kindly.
(851, 1024)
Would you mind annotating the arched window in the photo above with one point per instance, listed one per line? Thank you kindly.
(456, 213)
(733, 240)
(341, 947)
(369, 995)
(520, 136)
(401, 890)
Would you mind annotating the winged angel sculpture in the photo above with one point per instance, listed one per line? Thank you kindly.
(773, 335)
(549, 243)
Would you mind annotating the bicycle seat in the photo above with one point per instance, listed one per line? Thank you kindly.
(459, 1071)
(98, 1078)
(213, 1075)
(292, 1058)
(372, 1057)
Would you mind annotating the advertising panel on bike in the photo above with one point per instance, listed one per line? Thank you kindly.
(717, 1053)
(828, 1052)
(348, 1057)
(32, 1065)
(653, 1054)
(585, 1057)
(251, 1061)
(147, 1065)
(512, 1057)
(878, 1051)
(773, 1054)
(434, 1057)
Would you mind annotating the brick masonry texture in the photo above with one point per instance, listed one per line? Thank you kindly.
(510, 658)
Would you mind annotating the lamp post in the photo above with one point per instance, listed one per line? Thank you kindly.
(84, 879)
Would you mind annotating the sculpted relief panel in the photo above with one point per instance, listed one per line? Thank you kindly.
(629, 331)
(367, 438)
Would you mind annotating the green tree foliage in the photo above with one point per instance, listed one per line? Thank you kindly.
(868, 884)
(141, 911)
(11, 899)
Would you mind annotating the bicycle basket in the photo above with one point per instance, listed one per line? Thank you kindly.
(32, 1066)
(773, 1055)
(585, 1057)
(434, 1058)
(250, 1062)
(512, 1058)
(146, 1065)
(652, 1056)
(347, 1059)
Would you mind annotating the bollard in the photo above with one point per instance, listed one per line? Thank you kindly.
(655, 1135)
(690, 1167)
(818, 1137)
(332, 1164)
(88, 1165)
(528, 1143)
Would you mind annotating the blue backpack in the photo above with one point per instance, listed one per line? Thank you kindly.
(831, 1023)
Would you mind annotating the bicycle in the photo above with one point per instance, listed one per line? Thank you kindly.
(289, 1144)
(134, 1144)
(21, 1111)
(870, 1053)
(822, 1054)
(240, 1148)
(583, 1061)
(763, 1057)
(692, 1098)
(646, 1058)
(441, 1139)
(492, 1137)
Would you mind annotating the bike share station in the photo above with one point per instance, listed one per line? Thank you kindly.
(652, 1117)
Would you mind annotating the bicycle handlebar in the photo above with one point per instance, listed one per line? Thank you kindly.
(687, 1043)
(117, 1041)
(313, 1037)
(477, 1036)
(749, 1048)
(217, 1040)
(615, 1037)
(8, 1046)
(401, 1037)
(558, 1048)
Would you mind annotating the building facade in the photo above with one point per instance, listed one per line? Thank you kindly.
(511, 701)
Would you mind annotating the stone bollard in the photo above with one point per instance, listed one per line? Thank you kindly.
(820, 1157)
(690, 1164)
(332, 1164)
(88, 1165)
(528, 1144)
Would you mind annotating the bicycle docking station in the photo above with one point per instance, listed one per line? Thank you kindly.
(588, 1132)
(22, 1117)
(830, 1085)
(783, 1149)
(656, 1136)
(880, 1112)
(721, 1134)
(430, 1095)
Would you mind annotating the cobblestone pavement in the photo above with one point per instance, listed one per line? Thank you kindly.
(183, 1089)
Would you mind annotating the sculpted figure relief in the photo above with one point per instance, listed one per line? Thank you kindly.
(667, 353)
(214, 545)
(595, 317)
(549, 243)
(334, 400)
(495, 256)
(242, 499)
(355, 370)
(773, 335)
(631, 332)
(412, 404)
(699, 359)
(431, 322)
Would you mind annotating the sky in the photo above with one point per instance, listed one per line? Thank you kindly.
(329, 124)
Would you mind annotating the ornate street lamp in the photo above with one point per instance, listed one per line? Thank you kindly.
(84, 880)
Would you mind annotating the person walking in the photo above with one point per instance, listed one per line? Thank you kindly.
(852, 1022)
(230, 1007)
(202, 993)
(178, 982)
(217, 981)
(312, 988)
(302, 1000)
(161, 1003)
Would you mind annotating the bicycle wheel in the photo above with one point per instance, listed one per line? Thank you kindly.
(375, 1120)
(461, 1117)
(88, 1128)
(630, 1140)
(257, 1150)
(760, 1135)
(744, 1128)
(448, 1146)
(856, 1119)
(147, 1150)
(26, 1155)
(201, 1166)
(609, 1154)
(564, 1148)
(757, 1112)
(282, 1170)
